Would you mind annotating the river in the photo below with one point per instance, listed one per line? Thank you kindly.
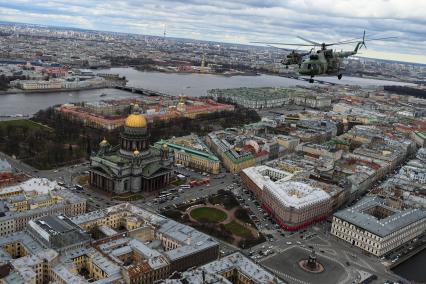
(413, 269)
(171, 83)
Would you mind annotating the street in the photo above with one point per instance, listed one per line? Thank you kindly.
(279, 243)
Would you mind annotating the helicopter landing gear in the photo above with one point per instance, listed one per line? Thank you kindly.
(339, 76)
(311, 80)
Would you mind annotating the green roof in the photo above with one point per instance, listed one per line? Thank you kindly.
(178, 147)
(421, 134)
(240, 159)
(264, 93)
(116, 159)
(151, 169)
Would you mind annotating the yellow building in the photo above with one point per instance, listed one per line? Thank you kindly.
(9, 192)
(43, 201)
(17, 203)
(237, 163)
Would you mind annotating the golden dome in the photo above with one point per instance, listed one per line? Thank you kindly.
(165, 147)
(181, 101)
(135, 120)
(103, 142)
(136, 153)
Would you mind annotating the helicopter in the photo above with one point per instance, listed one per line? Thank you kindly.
(324, 61)
(295, 58)
(292, 58)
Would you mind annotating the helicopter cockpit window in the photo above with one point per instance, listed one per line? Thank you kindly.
(313, 57)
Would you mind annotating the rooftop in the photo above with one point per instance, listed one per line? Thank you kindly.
(362, 215)
(5, 166)
(245, 266)
(39, 185)
(296, 194)
(190, 240)
(194, 146)
(260, 175)
(58, 231)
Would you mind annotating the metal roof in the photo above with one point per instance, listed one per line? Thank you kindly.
(358, 216)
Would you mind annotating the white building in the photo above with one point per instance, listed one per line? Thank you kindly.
(294, 204)
(377, 228)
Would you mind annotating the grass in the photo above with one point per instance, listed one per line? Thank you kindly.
(238, 230)
(178, 182)
(22, 123)
(208, 214)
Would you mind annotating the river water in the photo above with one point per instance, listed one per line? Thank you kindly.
(175, 84)
(413, 269)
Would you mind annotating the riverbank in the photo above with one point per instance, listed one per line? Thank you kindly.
(20, 91)
(412, 269)
(174, 84)
(224, 74)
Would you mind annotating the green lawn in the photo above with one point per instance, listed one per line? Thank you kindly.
(238, 230)
(178, 182)
(22, 123)
(208, 214)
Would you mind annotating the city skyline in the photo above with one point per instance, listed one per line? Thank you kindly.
(243, 21)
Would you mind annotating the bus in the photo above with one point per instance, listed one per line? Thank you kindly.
(185, 186)
(163, 196)
(78, 187)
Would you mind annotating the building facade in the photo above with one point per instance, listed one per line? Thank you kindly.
(190, 151)
(293, 203)
(33, 199)
(374, 226)
(133, 166)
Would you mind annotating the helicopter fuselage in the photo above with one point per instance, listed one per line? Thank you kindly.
(321, 62)
(326, 61)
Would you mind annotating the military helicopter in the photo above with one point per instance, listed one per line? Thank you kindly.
(292, 58)
(325, 61)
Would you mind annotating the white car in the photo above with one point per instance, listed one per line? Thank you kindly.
(289, 243)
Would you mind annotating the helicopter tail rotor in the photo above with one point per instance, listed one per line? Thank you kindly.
(363, 41)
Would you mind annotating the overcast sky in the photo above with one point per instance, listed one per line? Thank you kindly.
(243, 21)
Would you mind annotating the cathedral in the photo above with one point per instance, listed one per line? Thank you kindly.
(132, 166)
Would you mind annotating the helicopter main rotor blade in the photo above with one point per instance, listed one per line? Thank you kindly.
(357, 39)
(382, 38)
(310, 41)
(297, 50)
(281, 48)
(360, 40)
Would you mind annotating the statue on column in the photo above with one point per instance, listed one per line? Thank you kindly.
(312, 261)
(311, 264)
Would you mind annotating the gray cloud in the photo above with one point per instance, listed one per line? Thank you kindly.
(238, 20)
